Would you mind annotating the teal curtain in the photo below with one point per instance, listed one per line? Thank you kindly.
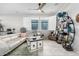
(34, 24)
(44, 25)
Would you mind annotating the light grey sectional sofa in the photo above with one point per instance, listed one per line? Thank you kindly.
(9, 42)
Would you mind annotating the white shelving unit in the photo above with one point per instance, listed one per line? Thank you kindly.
(66, 30)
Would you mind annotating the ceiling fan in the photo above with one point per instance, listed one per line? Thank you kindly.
(40, 6)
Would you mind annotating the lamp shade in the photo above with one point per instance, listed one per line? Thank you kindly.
(23, 30)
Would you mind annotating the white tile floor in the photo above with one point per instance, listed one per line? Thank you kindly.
(50, 48)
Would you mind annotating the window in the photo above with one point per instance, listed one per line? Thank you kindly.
(39, 24)
(34, 24)
(44, 24)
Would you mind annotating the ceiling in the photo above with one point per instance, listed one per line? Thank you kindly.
(24, 9)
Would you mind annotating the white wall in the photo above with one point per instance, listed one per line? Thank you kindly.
(18, 21)
(73, 10)
(51, 22)
(12, 22)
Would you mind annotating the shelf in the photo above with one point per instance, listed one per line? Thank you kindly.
(67, 25)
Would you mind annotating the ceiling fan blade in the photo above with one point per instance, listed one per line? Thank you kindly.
(41, 5)
(42, 11)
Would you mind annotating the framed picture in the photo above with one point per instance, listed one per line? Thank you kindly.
(77, 18)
